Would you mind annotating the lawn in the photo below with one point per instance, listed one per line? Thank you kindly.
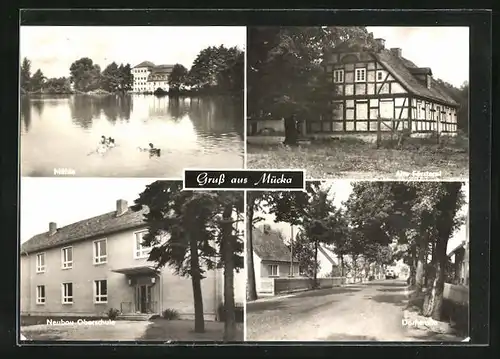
(123, 330)
(351, 158)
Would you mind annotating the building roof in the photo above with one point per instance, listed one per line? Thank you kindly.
(403, 70)
(145, 64)
(328, 253)
(269, 246)
(86, 229)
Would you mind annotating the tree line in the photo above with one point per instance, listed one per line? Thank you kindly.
(286, 75)
(85, 76)
(200, 233)
(215, 70)
(379, 224)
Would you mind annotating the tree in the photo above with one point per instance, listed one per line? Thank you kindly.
(126, 79)
(26, 75)
(180, 217)
(189, 231)
(59, 85)
(285, 75)
(231, 246)
(37, 81)
(85, 75)
(111, 77)
(303, 249)
(178, 78)
(449, 200)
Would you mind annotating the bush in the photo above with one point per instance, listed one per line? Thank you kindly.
(113, 313)
(238, 313)
(170, 314)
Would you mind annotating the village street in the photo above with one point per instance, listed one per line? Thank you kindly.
(370, 311)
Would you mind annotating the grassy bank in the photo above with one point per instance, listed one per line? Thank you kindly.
(348, 157)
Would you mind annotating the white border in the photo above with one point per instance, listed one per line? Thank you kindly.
(184, 188)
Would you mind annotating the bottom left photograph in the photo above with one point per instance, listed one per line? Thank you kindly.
(107, 259)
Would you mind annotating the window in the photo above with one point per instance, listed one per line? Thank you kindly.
(67, 293)
(338, 76)
(40, 263)
(40, 294)
(273, 270)
(380, 75)
(100, 291)
(141, 251)
(360, 75)
(100, 251)
(67, 257)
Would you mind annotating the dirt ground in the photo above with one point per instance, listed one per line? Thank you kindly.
(347, 158)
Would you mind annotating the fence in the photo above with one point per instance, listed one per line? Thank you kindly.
(273, 286)
(458, 294)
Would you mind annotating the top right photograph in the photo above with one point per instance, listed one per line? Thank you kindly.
(378, 103)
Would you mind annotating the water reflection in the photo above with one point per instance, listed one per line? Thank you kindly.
(191, 132)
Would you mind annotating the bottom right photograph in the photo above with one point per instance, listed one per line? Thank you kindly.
(359, 261)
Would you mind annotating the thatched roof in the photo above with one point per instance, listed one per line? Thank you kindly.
(268, 245)
(86, 229)
(402, 69)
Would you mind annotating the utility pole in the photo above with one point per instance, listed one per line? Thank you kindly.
(291, 250)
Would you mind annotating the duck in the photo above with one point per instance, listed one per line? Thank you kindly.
(152, 150)
(111, 142)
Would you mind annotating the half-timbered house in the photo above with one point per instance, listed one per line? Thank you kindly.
(377, 89)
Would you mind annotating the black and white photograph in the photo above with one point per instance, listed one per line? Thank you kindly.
(378, 103)
(131, 101)
(359, 261)
(130, 260)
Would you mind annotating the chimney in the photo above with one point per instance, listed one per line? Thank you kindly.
(380, 42)
(396, 51)
(121, 207)
(52, 228)
(428, 81)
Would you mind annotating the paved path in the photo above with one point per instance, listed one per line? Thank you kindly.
(365, 312)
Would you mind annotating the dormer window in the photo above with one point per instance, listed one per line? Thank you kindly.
(360, 75)
(338, 76)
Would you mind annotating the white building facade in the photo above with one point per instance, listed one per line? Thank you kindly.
(149, 77)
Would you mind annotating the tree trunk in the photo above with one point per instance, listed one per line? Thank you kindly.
(228, 260)
(421, 262)
(342, 265)
(355, 267)
(447, 208)
(251, 286)
(413, 266)
(315, 280)
(199, 321)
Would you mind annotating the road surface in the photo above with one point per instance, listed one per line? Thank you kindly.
(370, 311)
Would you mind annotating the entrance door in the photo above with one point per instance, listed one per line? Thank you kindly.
(143, 298)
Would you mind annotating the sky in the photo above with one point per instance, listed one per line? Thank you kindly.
(340, 191)
(444, 49)
(54, 48)
(68, 200)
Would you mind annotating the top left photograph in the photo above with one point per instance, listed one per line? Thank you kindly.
(141, 101)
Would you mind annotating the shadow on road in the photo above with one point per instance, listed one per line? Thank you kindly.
(389, 290)
(324, 292)
(400, 284)
(267, 305)
(398, 299)
(313, 308)
(349, 337)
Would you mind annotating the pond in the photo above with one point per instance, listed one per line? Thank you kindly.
(60, 134)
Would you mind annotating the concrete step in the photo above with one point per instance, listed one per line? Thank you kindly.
(135, 317)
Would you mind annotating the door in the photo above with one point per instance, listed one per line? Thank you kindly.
(143, 298)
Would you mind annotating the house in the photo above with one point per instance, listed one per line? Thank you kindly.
(374, 82)
(459, 256)
(91, 266)
(271, 257)
(149, 77)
